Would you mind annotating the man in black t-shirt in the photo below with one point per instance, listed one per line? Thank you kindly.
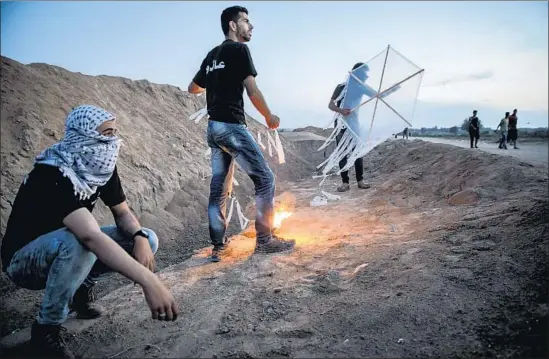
(474, 129)
(224, 73)
(53, 241)
(513, 131)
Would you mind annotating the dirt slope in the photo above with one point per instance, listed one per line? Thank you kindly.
(308, 143)
(316, 130)
(445, 256)
(162, 162)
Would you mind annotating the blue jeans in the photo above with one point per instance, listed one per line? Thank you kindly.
(233, 142)
(59, 263)
(503, 140)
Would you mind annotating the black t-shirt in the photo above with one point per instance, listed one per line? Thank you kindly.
(473, 121)
(43, 201)
(336, 93)
(222, 74)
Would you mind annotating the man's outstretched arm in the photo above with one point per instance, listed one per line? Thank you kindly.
(87, 231)
(256, 97)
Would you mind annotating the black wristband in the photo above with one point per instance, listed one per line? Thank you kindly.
(141, 233)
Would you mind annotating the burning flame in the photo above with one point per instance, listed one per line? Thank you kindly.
(279, 217)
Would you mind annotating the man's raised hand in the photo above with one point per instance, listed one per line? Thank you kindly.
(273, 122)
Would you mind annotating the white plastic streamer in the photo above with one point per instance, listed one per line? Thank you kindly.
(270, 144)
(198, 115)
(230, 215)
(259, 140)
(279, 148)
(243, 220)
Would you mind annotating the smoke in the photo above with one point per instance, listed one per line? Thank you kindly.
(463, 78)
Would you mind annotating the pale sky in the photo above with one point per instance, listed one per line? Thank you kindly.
(489, 56)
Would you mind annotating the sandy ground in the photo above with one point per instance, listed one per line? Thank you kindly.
(445, 256)
(535, 152)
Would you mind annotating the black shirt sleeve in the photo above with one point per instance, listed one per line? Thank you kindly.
(200, 77)
(337, 91)
(112, 193)
(246, 63)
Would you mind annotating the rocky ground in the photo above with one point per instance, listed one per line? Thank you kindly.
(445, 256)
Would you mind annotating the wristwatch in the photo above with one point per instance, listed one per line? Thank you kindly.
(141, 233)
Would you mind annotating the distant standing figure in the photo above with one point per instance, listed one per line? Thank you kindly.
(504, 125)
(405, 133)
(513, 132)
(474, 129)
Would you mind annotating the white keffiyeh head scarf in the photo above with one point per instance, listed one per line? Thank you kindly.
(85, 156)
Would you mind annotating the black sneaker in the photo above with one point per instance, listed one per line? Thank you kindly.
(344, 187)
(363, 185)
(82, 304)
(217, 253)
(275, 245)
(47, 342)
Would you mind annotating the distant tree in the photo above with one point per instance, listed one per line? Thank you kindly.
(454, 130)
(465, 124)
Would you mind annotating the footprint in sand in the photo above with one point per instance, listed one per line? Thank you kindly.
(409, 254)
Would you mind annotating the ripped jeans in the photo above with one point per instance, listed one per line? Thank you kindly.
(233, 142)
(59, 263)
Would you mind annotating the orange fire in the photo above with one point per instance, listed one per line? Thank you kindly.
(279, 217)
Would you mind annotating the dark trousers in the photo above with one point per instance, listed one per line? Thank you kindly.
(474, 135)
(512, 135)
(359, 165)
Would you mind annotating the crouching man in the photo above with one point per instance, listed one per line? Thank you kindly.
(53, 241)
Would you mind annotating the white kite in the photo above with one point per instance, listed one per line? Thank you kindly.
(384, 89)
